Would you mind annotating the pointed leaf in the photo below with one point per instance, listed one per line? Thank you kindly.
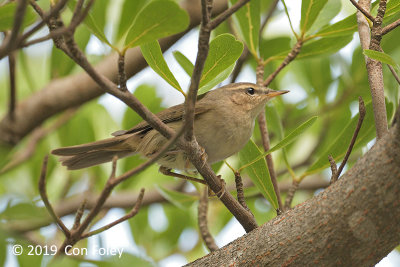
(294, 134)
(224, 51)
(248, 18)
(182, 201)
(7, 13)
(258, 172)
(324, 46)
(275, 46)
(330, 10)
(158, 19)
(130, 9)
(346, 26)
(339, 147)
(152, 53)
(310, 10)
(217, 80)
(381, 56)
(95, 19)
(184, 62)
(285, 141)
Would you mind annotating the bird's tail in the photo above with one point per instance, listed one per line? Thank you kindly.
(90, 154)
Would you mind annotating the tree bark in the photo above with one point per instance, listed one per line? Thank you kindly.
(354, 222)
(74, 90)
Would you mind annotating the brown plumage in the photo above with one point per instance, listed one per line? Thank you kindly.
(224, 122)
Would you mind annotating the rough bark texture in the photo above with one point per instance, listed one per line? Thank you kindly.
(74, 90)
(354, 222)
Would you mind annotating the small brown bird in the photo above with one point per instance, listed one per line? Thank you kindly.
(224, 122)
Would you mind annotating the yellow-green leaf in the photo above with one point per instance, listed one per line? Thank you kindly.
(152, 53)
(160, 18)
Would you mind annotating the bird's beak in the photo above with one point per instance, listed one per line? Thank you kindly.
(273, 93)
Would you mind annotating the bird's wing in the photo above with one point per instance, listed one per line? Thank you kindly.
(171, 114)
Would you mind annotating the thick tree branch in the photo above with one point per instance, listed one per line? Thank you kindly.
(351, 223)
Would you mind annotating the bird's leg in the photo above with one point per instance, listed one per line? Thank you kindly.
(204, 156)
(168, 172)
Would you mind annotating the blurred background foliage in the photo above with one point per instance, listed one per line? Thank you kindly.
(325, 80)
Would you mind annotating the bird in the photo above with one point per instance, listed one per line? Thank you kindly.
(223, 124)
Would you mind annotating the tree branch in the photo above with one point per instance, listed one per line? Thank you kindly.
(202, 221)
(289, 58)
(360, 207)
(362, 10)
(390, 27)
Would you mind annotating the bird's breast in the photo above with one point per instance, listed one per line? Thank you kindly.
(222, 134)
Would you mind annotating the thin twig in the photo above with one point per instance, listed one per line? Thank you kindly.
(226, 14)
(262, 123)
(240, 192)
(289, 58)
(290, 194)
(203, 46)
(79, 214)
(121, 72)
(131, 214)
(18, 20)
(390, 27)
(13, 88)
(53, 12)
(202, 221)
(393, 71)
(334, 175)
(271, 10)
(362, 10)
(362, 111)
(45, 199)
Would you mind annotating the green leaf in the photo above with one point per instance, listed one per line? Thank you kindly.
(130, 9)
(324, 46)
(152, 53)
(224, 51)
(217, 80)
(272, 47)
(7, 13)
(330, 10)
(381, 56)
(248, 18)
(294, 134)
(285, 141)
(95, 19)
(339, 147)
(310, 10)
(346, 26)
(184, 62)
(158, 19)
(258, 172)
(392, 11)
(182, 201)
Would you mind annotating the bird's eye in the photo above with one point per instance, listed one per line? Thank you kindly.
(250, 91)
